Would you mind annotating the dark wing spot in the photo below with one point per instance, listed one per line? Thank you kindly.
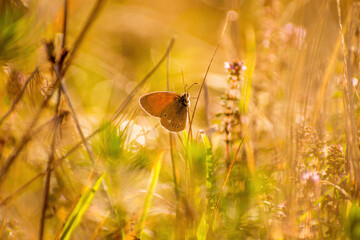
(172, 125)
(177, 126)
(165, 115)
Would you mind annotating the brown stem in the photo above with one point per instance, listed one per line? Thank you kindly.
(47, 182)
(50, 161)
(95, 11)
(65, 23)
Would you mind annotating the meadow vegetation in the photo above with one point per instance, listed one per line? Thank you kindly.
(271, 148)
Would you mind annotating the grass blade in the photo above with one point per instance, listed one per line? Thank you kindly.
(79, 210)
(152, 184)
(201, 232)
(210, 177)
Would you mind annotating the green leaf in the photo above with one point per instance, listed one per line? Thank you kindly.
(352, 225)
(79, 210)
(210, 177)
(152, 184)
(201, 232)
(185, 137)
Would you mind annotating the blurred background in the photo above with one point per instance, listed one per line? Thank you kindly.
(273, 151)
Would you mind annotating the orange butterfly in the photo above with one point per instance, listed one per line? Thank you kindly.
(171, 108)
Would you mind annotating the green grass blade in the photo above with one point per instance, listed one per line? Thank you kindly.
(210, 177)
(185, 137)
(79, 210)
(201, 232)
(152, 184)
(248, 75)
(188, 157)
(352, 224)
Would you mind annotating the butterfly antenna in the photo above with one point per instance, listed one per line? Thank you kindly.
(191, 86)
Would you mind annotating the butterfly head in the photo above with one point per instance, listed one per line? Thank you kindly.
(185, 99)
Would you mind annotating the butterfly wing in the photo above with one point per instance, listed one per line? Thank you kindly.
(174, 117)
(155, 103)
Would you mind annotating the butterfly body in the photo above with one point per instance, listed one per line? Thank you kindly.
(171, 108)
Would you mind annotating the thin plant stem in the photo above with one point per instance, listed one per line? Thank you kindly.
(346, 195)
(10, 160)
(170, 135)
(77, 123)
(65, 23)
(178, 217)
(207, 105)
(27, 135)
(28, 183)
(21, 189)
(84, 140)
(48, 178)
(227, 176)
(142, 82)
(75, 147)
(226, 180)
(99, 226)
(50, 160)
(352, 152)
(95, 132)
(18, 98)
(206, 73)
(56, 163)
(94, 13)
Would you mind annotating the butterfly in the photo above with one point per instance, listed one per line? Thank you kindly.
(171, 108)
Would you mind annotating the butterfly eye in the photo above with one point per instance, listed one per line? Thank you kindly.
(177, 127)
(172, 125)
